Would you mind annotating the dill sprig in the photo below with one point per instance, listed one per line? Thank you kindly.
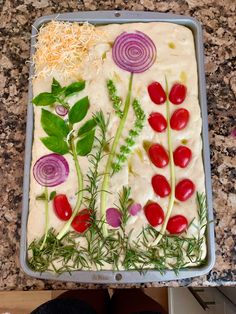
(116, 100)
(130, 140)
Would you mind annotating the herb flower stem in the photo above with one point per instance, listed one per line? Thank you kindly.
(46, 219)
(172, 171)
(80, 192)
(105, 183)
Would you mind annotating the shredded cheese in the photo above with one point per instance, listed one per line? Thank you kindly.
(63, 46)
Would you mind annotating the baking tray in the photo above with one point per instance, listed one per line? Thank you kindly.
(107, 17)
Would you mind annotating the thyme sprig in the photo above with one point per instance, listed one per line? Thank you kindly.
(116, 100)
(130, 140)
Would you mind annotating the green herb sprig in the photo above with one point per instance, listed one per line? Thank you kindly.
(116, 100)
(130, 140)
(172, 252)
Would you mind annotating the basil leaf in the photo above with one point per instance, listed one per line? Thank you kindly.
(85, 145)
(56, 87)
(55, 144)
(79, 110)
(88, 126)
(44, 99)
(74, 88)
(53, 125)
(41, 197)
(52, 195)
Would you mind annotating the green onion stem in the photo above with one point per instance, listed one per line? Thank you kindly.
(107, 174)
(172, 170)
(46, 218)
(80, 192)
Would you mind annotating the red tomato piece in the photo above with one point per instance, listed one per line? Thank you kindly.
(82, 221)
(177, 93)
(157, 122)
(158, 155)
(182, 156)
(154, 214)
(184, 190)
(157, 93)
(177, 224)
(62, 207)
(179, 119)
(160, 185)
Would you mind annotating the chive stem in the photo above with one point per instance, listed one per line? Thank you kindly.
(46, 219)
(172, 169)
(108, 167)
(79, 195)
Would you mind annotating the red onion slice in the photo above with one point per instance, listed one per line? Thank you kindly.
(134, 209)
(134, 52)
(61, 110)
(113, 217)
(51, 170)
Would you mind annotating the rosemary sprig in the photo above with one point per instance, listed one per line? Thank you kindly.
(64, 251)
(202, 209)
(130, 140)
(173, 251)
(124, 201)
(116, 100)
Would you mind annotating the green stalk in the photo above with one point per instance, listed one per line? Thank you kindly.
(80, 192)
(172, 170)
(46, 218)
(105, 183)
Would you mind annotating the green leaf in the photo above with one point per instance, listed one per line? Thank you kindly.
(74, 88)
(88, 126)
(44, 99)
(41, 197)
(55, 144)
(79, 110)
(85, 145)
(52, 195)
(53, 125)
(56, 87)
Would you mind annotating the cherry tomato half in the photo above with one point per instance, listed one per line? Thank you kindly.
(177, 224)
(154, 214)
(82, 221)
(184, 190)
(62, 207)
(177, 93)
(182, 156)
(160, 185)
(158, 155)
(157, 122)
(157, 93)
(179, 119)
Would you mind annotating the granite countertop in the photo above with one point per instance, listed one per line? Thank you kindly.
(218, 22)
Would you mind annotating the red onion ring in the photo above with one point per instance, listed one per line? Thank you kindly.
(134, 52)
(134, 209)
(51, 170)
(61, 110)
(113, 217)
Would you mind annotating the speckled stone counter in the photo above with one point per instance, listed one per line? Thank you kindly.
(218, 20)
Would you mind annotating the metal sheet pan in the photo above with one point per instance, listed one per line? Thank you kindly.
(107, 17)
